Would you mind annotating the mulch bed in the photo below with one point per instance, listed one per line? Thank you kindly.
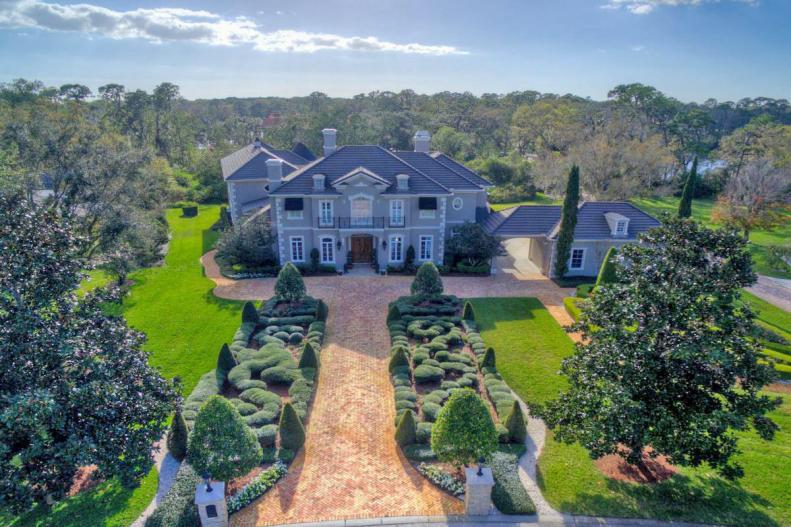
(656, 469)
(83, 480)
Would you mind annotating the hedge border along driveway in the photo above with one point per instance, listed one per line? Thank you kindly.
(186, 325)
(529, 351)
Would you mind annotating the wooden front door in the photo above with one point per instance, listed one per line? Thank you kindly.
(362, 249)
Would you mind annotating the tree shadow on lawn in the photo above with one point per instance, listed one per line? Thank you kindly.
(209, 238)
(223, 303)
(709, 500)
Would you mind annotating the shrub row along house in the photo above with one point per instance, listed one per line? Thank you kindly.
(367, 205)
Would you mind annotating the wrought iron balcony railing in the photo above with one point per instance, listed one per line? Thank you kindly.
(372, 222)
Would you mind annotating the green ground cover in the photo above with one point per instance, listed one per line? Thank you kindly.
(529, 352)
(540, 199)
(186, 325)
(701, 211)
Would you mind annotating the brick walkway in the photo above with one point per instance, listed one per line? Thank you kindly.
(350, 466)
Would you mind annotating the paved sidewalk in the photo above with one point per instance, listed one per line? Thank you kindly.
(167, 466)
(774, 290)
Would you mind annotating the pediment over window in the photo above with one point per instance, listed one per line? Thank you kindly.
(360, 177)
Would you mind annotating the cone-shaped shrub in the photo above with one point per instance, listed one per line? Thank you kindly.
(685, 205)
(568, 222)
(464, 431)
(292, 433)
(515, 423)
(489, 360)
(398, 358)
(225, 360)
(321, 311)
(427, 281)
(289, 285)
(406, 432)
(468, 313)
(308, 359)
(249, 313)
(607, 270)
(221, 443)
(393, 313)
(177, 437)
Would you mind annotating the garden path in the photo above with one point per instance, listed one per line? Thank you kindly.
(350, 466)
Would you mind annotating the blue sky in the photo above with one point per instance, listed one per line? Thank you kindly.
(690, 49)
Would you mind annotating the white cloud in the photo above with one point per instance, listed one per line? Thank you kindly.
(644, 7)
(638, 49)
(187, 25)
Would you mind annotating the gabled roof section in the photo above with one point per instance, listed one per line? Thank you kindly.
(356, 172)
(375, 159)
(443, 174)
(592, 223)
(303, 151)
(249, 162)
(461, 169)
(523, 221)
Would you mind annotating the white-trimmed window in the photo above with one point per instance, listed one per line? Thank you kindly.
(327, 250)
(620, 228)
(362, 211)
(396, 248)
(457, 203)
(294, 214)
(325, 213)
(297, 249)
(397, 212)
(577, 260)
(426, 247)
(428, 214)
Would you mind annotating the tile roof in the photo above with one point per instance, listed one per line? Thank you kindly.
(592, 225)
(442, 174)
(374, 158)
(542, 220)
(249, 162)
(524, 220)
(461, 169)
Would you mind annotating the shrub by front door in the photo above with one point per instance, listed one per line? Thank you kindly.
(362, 249)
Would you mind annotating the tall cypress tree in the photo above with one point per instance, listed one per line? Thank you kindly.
(685, 207)
(568, 221)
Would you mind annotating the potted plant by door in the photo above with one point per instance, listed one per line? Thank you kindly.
(348, 265)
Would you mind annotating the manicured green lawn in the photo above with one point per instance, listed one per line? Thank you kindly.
(540, 199)
(186, 325)
(701, 211)
(529, 351)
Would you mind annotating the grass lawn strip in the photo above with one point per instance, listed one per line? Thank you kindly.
(571, 482)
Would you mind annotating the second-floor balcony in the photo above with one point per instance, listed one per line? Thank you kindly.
(366, 222)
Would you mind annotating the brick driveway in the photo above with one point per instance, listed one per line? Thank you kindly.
(350, 466)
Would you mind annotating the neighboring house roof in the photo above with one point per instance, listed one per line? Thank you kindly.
(524, 220)
(249, 162)
(442, 174)
(303, 151)
(345, 159)
(544, 220)
(461, 169)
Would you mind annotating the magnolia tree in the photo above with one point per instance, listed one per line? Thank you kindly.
(667, 360)
(77, 388)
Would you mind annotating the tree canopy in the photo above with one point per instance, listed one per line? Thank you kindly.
(464, 431)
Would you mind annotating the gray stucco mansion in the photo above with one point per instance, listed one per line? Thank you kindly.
(371, 204)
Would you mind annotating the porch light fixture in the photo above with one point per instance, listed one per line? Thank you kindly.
(480, 466)
(339, 245)
(384, 244)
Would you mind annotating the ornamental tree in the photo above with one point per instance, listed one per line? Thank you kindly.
(667, 360)
(685, 205)
(568, 222)
(607, 273)
(427, 281)
(177, 437)
(289, 285)
(464, 431)
(472, 245)
(292, 432)
(76, 386)
(221, 443)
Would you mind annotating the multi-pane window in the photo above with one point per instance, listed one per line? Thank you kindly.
(396, 249)
(297, 249)
(361, 212)
(426, 243)
(327, 250)
(397, 212)
(577, 258)
(294, 214)
(620, 227)
(325, 213)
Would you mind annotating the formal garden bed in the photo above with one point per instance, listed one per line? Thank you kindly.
(436, 353)
(263, 383)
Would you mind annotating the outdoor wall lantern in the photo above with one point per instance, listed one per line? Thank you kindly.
(339, 245)
(384, 244)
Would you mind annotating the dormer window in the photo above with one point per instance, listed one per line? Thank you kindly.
(618, 223)
(620, 228)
